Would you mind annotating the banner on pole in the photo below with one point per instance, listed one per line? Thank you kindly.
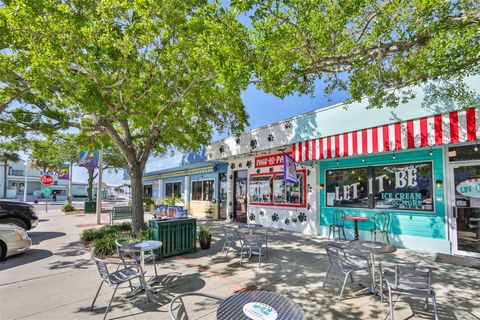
(289, 170)
(64, 172)
(89, 159)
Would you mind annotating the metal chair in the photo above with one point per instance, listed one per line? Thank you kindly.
(251, 243)
(381, 224)
(130, 271)
(182, 313)
(412, 280)
(231, 237)
(338, 224)
(347, 266)
(150, 257)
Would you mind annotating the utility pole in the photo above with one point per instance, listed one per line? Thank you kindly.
(70, 174)
(26, 181)
(99, 186)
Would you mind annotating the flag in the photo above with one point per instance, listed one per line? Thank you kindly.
(64, 172)
(89, 159)
(289, 170)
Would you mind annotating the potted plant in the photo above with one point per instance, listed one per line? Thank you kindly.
(205, 237)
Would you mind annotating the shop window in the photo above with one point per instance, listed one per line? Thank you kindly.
(203, 190)
(173, 188)
(347, 188)
(260, 189)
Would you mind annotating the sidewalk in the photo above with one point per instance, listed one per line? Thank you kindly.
(57, 280)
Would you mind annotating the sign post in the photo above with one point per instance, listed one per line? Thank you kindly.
(46, 181)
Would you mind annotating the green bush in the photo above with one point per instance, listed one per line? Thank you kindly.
(105, 246)
(68, 208)
(171, 200)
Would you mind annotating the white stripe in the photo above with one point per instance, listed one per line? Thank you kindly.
(431, 130)
(350, 143)
(359, 141)
(417, 134)
(380, 138)
(317, 149)
(296, 151)
(310, 144)
(369, 141)
(446, 128)
(462, 126)
(391, 136)
(325, 150)
(341, 146)
(332, 146)
(403, 132)
(304, 151)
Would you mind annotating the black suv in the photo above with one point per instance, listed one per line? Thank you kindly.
(20, 213)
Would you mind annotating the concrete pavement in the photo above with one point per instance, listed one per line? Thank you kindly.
(57, 280)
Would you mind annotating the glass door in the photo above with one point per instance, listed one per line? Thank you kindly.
(466, 208)
(240, 194)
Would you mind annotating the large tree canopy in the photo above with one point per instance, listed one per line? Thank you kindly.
(149, 74)
(368, 48)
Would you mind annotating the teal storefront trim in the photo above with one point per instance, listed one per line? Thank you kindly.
(405, 224)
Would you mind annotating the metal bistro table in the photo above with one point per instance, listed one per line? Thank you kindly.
(251, 227)
(141, 247)
(259, 305)
(355, 219)
(373, 248)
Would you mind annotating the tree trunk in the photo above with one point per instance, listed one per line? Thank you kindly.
(138, 221)
(90, 184)
(5, 163)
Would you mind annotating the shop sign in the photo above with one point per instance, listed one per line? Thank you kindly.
(269, 161)
(469, 188)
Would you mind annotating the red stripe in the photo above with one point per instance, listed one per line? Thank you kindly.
(337, 146)
(453, 127)
(410, 135)
(294, 147)
(423, 132)
(307, 146)
(437, 119)
(471, 125)
(314, 149)
(386, 144)
(375, 139)
(355, 143)
(299, 152)
(329, 148)
(320, 141)
(364, 141)
(345, 144)
(398, 136)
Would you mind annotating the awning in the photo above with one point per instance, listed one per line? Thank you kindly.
(439, 129)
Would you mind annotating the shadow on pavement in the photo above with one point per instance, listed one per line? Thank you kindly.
(39, 236)
(31, 255)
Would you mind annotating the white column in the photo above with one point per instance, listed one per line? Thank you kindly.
(99, 187)
(26, 181)
(187, 192)
(160, 189)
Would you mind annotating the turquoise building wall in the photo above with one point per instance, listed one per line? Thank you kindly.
(406, 226)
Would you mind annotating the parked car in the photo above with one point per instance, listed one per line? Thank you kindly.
(13, 240)
(19, 213)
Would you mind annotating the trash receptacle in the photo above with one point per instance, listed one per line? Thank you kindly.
(90, 206)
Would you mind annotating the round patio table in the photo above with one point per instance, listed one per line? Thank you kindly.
(259, 305)
(373, 247)
(355, 219)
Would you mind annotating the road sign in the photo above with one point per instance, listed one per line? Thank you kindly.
(46, 180)
(46, 190)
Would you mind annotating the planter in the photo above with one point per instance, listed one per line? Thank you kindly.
(205, 242)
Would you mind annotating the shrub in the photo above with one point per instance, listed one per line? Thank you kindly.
(68, 208)
(105, 246)
(171, 200)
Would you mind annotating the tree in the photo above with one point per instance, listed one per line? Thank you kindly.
(367, 48)
(6, 156)
(151, 75)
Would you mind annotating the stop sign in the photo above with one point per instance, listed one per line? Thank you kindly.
(46, 180)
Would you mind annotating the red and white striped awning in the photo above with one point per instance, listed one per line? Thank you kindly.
(452, 127)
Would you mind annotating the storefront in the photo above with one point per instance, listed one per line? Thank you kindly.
(199, 187)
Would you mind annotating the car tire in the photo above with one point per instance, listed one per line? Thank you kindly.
(3, 250)
(15, 221)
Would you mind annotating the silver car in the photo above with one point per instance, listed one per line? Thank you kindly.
(13, 240)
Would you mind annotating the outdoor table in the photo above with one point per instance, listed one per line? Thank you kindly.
(259, 305)
(373, 248)
(254, 227)
(355, 220)
(141, 247)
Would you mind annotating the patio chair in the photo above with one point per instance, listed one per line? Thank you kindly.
(231, 237)
(413, 280)
(182, 312)
(346, 265)
(131, 270)
(381, 224)
(251, 244)
(338, 224)
(149, 257)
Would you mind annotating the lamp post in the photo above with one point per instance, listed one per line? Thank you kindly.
(26, 180)
(99, 187)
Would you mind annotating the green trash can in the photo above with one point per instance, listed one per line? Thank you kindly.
(178, 236)
(90, 206)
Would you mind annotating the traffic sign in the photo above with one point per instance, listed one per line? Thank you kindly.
(46, 190)
(46, 180)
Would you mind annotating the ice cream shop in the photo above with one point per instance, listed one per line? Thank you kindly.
(414, 170)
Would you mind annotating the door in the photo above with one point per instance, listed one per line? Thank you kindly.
(240, 196)
(465, 190)
(223, 196)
